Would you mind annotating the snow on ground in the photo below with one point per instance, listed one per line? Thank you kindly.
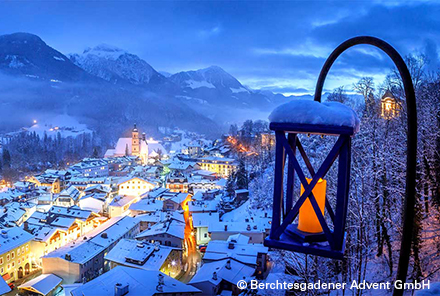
(105, 51)
(197, 84)
(200, 101)
(312, 112)
(64, 124)
(59, 58)
(239, 90)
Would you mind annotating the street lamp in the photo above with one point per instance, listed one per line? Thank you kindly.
(303, 238)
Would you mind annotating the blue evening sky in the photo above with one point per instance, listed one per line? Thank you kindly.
(275, 45)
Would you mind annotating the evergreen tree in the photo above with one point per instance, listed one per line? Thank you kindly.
(95, 152)
(230, 185)
(241, 176)
(6, 158)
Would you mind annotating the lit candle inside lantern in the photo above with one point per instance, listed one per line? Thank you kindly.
(308, 221)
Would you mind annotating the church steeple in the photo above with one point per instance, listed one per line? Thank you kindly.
(135, 145)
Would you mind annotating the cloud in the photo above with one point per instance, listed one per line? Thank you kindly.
(431, 53)
(214, 31)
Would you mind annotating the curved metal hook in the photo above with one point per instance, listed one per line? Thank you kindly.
(410, 190)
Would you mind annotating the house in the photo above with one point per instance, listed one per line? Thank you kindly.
(182, 166)
(153, 172)
(149, 219)
(122, 165)
(238, 248)
(128, 281)
(220, 165)
(201, 222)
(68, 197)
(49, 181)
(146, 206)
(92, 167)
(46, 199)
(45, 284)
(199, 183)
(176, 202)
(95, 202)
(53, 180)
(203, 206)
(168, 233)
(13, 215)
(58, 227)
(6, 197)
(120, 205)
(15, 253)
(83, 259)
(81, 183)
(172, 201)
(143, 255)
(134, 186)
(390, 106)
(24, 186)
(253, 229)
(214, 278)
(177, 182)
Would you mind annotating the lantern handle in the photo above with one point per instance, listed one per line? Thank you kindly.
(410, 190)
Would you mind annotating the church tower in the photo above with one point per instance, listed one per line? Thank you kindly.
(135, 144)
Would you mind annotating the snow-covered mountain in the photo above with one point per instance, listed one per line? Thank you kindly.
(37, 81)
(211, 77)
(26, 54)
(112, 87)
(216, 87)
(114, 65)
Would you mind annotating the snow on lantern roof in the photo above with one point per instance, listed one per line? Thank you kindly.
(306, 112)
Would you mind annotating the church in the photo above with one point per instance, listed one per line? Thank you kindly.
(137, 146)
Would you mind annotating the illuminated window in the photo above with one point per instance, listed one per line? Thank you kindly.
(12, 255)
(8, 258)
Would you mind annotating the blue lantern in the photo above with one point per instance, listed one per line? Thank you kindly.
(313, 234)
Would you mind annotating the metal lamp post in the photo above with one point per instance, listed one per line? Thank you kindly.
(331, 242)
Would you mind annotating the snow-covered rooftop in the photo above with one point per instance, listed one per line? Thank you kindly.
(43, 284)
(204, 219)
(140, 282)
(138, 254)
(235, 273)
(171, 227)
(88, 246)
(11, 238)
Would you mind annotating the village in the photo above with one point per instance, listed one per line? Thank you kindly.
(163, 220)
